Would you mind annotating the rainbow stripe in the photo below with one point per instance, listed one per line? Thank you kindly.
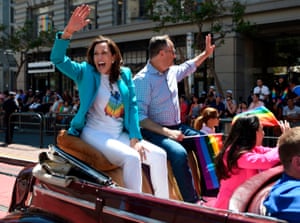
(266, 117)
(273, 93)
(284, 94)
(208, 146)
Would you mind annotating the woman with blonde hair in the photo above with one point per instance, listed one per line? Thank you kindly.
(207, 121)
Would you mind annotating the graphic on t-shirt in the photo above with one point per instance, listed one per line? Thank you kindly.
(114, 106)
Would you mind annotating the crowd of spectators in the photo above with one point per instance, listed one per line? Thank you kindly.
(49, 103)
(281, 98)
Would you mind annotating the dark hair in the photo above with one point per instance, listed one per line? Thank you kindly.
(114, 49)
(156, 44)
(241, 139)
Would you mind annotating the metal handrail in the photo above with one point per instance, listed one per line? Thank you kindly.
(64, 125)
(39, 116)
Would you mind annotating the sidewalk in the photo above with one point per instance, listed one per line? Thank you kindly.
(26, 146)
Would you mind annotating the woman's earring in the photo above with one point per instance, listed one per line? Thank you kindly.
(112, 61)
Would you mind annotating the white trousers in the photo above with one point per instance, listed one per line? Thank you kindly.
(119, 153)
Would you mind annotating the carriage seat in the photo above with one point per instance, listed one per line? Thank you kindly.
(89, 155)
(249, 197)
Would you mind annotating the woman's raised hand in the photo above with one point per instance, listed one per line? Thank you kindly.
(78, 20)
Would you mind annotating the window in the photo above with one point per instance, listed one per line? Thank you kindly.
(129, 11)
(43, 19)
(45, 22)
(93, 14)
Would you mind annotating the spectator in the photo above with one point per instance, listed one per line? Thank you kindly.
(158, 103)
(211, 91)
(28, 100)
(242, 107)
(2, 99)
(9, 106)
(63, 108)
(203, 98)
(39, 94)
(291, 113)
(219, 105)
(279, 90)
(34, 106)
(229, 93)
(210, 99)
(194, 110)
(207, 121)
(48, 97)
(108, 115)
(184, 107)
(263, 91)
(294, 90)
(283, 200)
(20, 105)
(255, 102)
(20, 94)
(75, 106)
(230, 109)
(66, 96)
(242, 156)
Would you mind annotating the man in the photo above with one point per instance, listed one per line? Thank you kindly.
(283, 201)
(159, 110)
(291, 113)
(9, 106)
(262, 90)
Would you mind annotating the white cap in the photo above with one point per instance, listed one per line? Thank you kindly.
(12, 93)
(229, 91)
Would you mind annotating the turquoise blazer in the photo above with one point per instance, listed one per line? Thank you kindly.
(87, 79)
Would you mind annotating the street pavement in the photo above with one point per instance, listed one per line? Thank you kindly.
(25, 149)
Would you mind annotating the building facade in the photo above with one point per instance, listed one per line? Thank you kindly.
(7, 59)
(237, 63)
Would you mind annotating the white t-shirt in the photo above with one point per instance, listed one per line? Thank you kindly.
(207, 130)
(293, 113)
(262, 91)
(106, 113)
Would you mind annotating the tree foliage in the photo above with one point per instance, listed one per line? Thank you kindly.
(24, 40)
(200, 12)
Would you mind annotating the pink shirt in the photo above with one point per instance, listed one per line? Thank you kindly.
(250, 163)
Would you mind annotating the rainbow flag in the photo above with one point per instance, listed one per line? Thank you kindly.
(266, 117)
(208, 146)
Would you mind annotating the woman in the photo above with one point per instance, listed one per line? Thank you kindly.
(194, 111)
(242, 107)
(230, 108)
(242, 157)
(255, 102)
(107, 117)
(207, 121)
